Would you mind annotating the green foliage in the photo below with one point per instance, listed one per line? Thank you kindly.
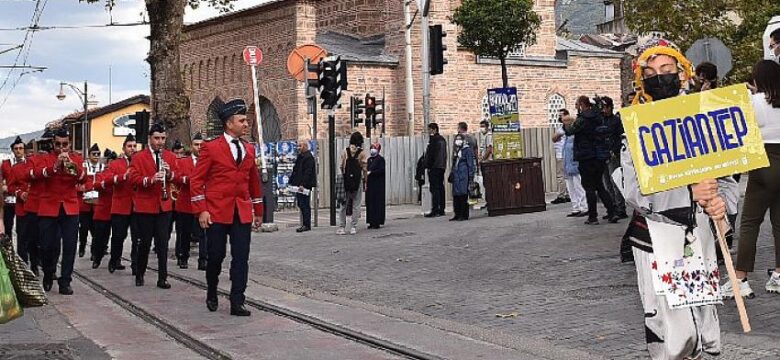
(221, 5)
(740, 24)
(494, 27)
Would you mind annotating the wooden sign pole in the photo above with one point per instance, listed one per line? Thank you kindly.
(724, 249)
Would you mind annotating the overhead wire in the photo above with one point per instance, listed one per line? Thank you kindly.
(27, 46)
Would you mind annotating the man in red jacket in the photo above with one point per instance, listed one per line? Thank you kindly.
(32, 197)
(152, 171)
(86, 226)
(58, 211)
(101, 212)
(116, 177)
(19, 187)
(185, 220)
(9, 199)
(227, 195)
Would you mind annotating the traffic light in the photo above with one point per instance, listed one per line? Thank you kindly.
(141, 126)
(370, 106)
(332, 81)
(356, 108)
(379, 112)
(437, 49)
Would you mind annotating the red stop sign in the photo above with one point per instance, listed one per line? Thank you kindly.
(252, 55)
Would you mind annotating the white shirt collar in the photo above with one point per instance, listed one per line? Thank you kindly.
(229, 138)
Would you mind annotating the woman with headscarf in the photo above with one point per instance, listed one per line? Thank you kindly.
(375, 189)
(461, 175)
(671, 233)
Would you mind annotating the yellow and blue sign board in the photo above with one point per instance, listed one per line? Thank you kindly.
(683, 140)
(505, 122)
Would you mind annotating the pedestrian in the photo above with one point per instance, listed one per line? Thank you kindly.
(463, 129)
(571, 173)
(436, 163)
(185, 220)
(592, 152)
(559, 139)
(61, 171)
(774, 45)
(681, 322)
(123, 218)
(13, 204)
(101, 215)
(375, 188)
(354, 168)
(614, 141)
(419, 176)
(178, 149)
(461, 176)
(227, 195)
(86, 209)
(485, 141)
(31, 190)
(151, 172)
(198, 234)
(303, 179)
(706, 76)
(763, 187)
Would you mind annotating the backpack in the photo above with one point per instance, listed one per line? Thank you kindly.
(352, 171)
(603, 140)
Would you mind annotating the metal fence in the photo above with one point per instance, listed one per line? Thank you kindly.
(401, 154)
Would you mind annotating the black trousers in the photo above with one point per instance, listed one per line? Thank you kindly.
(591, 172)
(184, 227)
(460, 205)
(155, 227)
(200, 234)
(31, 236)
(304, 204)
(119, 227)
(436, 177)
(240, 235)
(85, 227)
(100, 236)
(22, 241)
(66, 228)
(9, 213)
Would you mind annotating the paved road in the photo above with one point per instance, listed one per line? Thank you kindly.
(533, 276)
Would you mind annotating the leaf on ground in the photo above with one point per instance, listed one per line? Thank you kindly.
(510, 315)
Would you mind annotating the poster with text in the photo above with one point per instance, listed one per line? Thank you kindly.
(505, 122)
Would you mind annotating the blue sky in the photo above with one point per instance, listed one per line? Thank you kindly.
(74, 56)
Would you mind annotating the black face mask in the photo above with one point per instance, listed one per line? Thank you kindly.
(662, 86)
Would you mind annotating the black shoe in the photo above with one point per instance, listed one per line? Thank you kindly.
(162, 284)
(48, 281)
(139, 281)
(201, 264)
(66, 290)
(431, 215)
(81, 251)
(239, 310)
(183, 265)
(111, 266)
(574, 214)
(583, 214)
(592, 222)
(96, 263)
(302, 229)
(212, 304)
(119, 266)
(614, 219)
(455, 219)
(558, 200)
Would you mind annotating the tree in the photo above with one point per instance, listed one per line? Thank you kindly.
(166, 21)
(739, 24)
(492, 28)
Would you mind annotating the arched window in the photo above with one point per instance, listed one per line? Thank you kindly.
(216, 72)
(200, 75)
(555, 103)
(184, 77)
(224, 68)
(213, 124)
(208, 73)
(192, 71)
(233, 69)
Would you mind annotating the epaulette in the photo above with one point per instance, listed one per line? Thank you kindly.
(212, 138)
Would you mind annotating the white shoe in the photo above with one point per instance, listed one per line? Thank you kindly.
(341, 231)
(744, 288)
(773, 284)
(353, 231)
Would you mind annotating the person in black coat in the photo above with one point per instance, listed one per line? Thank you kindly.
(375, 189)
(436, 163)
(302, 180)
(591, 150)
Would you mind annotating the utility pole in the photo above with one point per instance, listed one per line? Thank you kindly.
(332, 160)
(426, 72)
(311, 101)
(408, 53)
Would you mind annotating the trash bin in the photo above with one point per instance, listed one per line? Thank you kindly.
(514, 186)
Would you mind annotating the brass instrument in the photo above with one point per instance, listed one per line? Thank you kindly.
(70, 166)
(164, 166)
(174, 192)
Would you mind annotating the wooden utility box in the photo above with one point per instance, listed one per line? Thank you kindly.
(513, 186)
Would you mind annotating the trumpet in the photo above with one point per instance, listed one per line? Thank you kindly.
(69, 166)
(164, 166)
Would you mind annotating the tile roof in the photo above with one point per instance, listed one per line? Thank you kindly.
(350, 48)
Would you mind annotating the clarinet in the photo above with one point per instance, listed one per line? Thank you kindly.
(165, 194)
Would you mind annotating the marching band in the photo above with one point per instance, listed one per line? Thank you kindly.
(58, 201)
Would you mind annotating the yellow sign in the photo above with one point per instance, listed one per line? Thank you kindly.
(507, 145)
(683, 140)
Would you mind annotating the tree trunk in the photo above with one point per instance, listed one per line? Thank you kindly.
(504, 76)
(169, 102)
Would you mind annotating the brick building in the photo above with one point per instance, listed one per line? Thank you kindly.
(369, 35)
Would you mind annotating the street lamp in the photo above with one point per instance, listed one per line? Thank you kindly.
(84, 99)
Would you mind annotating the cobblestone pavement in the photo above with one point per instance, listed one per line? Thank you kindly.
(537, 276)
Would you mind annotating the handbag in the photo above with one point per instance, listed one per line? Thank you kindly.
(29, 291)
(9, 305)
(475, 192)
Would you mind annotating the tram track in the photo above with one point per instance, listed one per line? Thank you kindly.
(210, 352)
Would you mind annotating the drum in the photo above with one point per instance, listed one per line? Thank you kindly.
(91, 197)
